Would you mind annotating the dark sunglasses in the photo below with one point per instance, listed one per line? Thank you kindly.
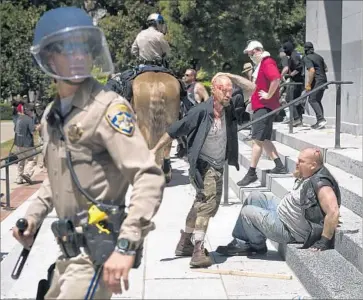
(70, 48)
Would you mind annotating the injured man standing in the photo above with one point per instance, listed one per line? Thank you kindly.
(308, 214)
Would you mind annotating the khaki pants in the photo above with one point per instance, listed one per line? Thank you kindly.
(26, 166)
(72, 278)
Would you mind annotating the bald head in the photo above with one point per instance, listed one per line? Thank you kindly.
(314, 155)
(309, 161)
(221, 80)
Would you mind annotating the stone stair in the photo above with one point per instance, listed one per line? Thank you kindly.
(337, 273)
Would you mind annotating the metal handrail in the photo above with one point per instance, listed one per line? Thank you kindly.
(17, 153)
(298, 99)
(6, 166)
(271, 113)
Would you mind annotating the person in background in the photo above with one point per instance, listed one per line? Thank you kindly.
(284, 63)
(24, 142)
(317, 70)
(265, 99)
(14, 105)
(237, 96)
(284, 67)
(196, 93)
(296, 69)
(247, 72)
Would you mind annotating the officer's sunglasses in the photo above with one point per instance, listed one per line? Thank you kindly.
(70, 48)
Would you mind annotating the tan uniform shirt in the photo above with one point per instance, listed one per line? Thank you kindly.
(150, 45)
(108, 153)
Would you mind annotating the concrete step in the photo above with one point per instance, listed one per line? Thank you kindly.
(350, 185)
(349, 158)
(235, 176)
(348, 242)
(263, 166)
(324, 274)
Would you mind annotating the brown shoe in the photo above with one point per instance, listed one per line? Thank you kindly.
(200, 258)
(185, 246)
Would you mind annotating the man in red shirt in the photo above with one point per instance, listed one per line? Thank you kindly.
(264, 99)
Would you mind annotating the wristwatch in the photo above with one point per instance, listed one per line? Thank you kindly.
(124, 246)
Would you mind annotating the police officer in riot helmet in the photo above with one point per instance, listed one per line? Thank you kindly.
(89, 134)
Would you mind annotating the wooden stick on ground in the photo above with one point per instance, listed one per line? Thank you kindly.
(244, 273)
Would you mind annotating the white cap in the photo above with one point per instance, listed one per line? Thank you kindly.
(253, 45)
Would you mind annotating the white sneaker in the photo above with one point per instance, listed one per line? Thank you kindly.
(321, 124)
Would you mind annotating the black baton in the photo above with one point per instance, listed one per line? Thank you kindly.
(22, 225)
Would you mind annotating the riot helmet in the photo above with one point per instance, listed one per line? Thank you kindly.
(68, 46)
(157, 21)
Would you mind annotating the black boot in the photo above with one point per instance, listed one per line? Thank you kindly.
(234, 249)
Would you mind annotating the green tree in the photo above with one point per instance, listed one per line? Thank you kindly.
(19, 74)
(121, 30)
(216, 31)
(208, 31)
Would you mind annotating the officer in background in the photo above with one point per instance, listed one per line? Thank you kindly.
(107, 149)
(150, 45)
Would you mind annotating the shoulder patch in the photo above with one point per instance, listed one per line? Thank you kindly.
(120, 117)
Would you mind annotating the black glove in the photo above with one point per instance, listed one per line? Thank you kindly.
(322, 244)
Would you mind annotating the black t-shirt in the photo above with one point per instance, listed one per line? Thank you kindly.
(296, 64)
(315, 61)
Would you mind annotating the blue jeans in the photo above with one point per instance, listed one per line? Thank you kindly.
(258, 221)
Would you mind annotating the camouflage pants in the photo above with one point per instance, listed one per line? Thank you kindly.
(206, 201)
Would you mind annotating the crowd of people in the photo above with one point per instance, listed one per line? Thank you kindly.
(211, 141)
(92, 132)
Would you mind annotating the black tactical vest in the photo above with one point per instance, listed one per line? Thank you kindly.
(312, 210)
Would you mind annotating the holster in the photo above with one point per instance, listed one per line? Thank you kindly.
(67, 237)
(100, 245)
(97, 244)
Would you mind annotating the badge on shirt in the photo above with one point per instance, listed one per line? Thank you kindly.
(75, 132)
(120, 117)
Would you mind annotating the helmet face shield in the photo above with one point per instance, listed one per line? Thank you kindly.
(162, 28)
(74, 53)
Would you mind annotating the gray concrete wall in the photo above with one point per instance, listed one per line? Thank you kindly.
(352, 64)
(335, 29)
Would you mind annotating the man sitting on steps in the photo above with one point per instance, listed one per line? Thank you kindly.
(308, 214)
